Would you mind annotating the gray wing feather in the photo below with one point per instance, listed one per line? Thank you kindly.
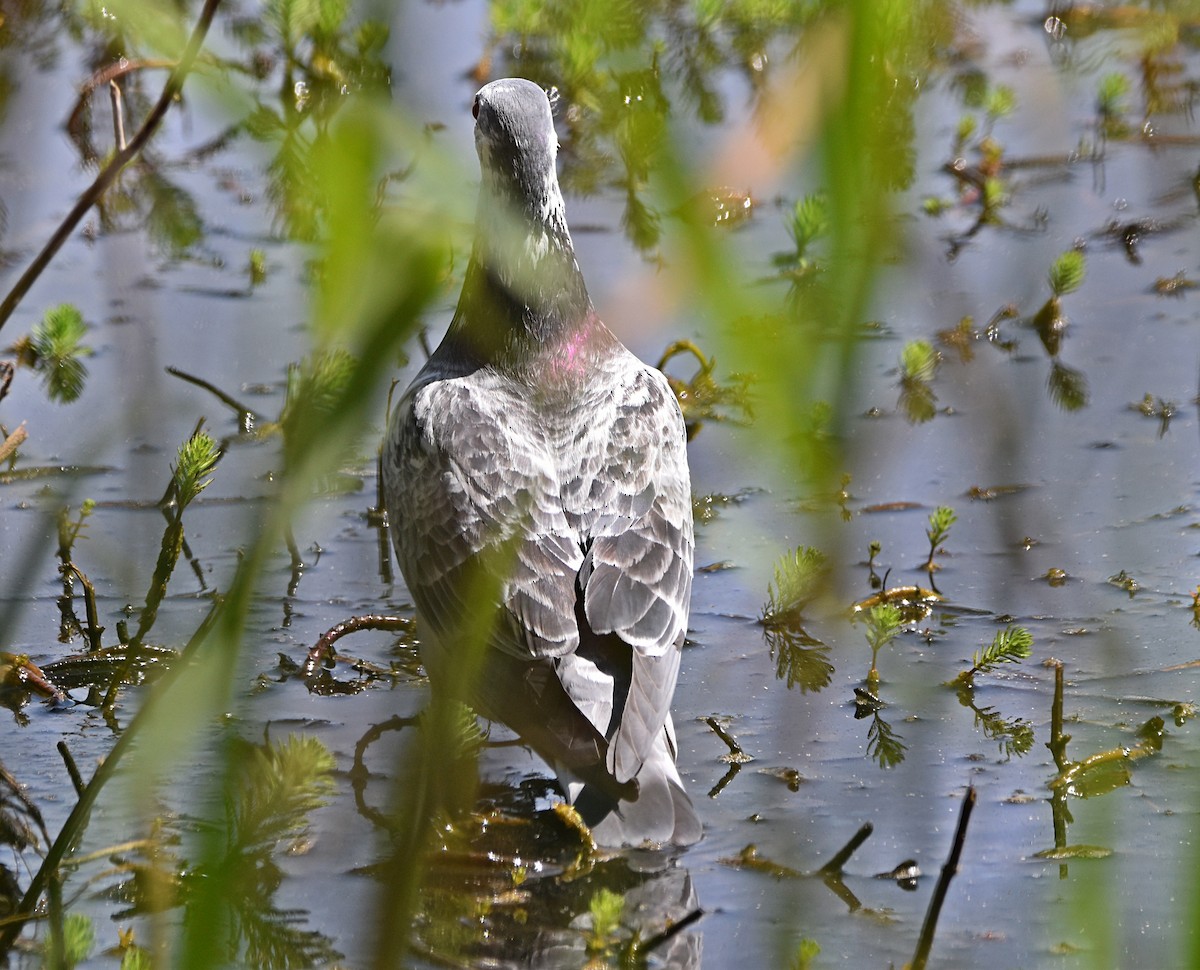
(460, 485)
(639, 569)
(637, 574)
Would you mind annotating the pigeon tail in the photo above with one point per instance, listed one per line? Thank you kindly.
(661, 814)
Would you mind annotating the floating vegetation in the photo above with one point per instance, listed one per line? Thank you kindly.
(1105, 771)
(256, 267)
(701, 397)
(1122, 580)
(806, 952)
(1155, 407)
(1015, 736)
(1112, 105)
(918, 364)
(706, 508)
(807, 222)
(1176, 285)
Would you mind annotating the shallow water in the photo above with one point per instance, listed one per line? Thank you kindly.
(1101, 489)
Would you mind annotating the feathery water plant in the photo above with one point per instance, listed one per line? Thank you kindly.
(918, 364)
(1010, 645)
(808, 222)
(54, 348)
(797, 580)
(940, 520)
(1067, 272)
(1068, 387)
(191, 474)
(884, 623)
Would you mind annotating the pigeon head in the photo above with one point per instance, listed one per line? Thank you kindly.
(517, 145)
(524, 279)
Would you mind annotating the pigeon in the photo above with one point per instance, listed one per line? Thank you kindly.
(536, 481)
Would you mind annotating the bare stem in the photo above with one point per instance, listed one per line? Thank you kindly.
(925, 944)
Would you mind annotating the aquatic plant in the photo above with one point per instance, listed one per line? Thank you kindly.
(797, 580)
(938, 531)
(1010, 645)
(918, 363)
(1065, 276)
(806, 952)
(884, 624)
(54, 349)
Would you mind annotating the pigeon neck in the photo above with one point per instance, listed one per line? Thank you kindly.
(523, 288)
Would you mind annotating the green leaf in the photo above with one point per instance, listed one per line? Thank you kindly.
(809, 221)
(1111, 95)
(197, 458)
(1001, 101)
(918, 361)
(1067, 272)
(884, 623)
(78, 941)
(1011, 645)
(797, 580)
(279, 786)
(940, 520)
(54, 348)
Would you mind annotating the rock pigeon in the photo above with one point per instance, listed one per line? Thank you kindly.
(535, 476)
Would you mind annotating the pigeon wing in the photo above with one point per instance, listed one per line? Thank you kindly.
(637, 575)
(469, 492)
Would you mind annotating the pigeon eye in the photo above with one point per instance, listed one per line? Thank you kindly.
(475, 108)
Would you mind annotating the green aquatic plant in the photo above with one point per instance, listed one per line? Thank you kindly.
(702, 397)
(1066, 275)
(1067, 272)
(884, 623)
(806, 952)
(72, 944)
(1111, 95)
(797, 580)
(999, 102)
(606, 909)
(191, 474)
(279, 785)
(938, 530)
(54, 349)
(807, 222)
(1010, 645)
(918, 364)
(800, 660)
(256, 266)
(136, 958)
(884, 745)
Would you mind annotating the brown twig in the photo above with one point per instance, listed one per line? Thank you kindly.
(14, 441)
(109, 173)
(925, 943)
(108, 75)
(114, 93)
(323, 648)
